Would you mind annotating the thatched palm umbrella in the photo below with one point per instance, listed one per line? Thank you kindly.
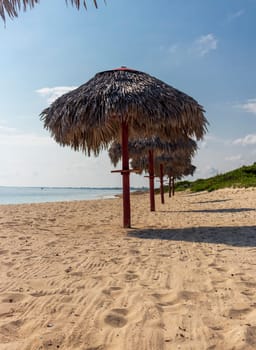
(163, 165)
(175, 170)
(122, 101)
(177, 162)
(12, 7)
(153, 146)
(176, 167)
(178, 172)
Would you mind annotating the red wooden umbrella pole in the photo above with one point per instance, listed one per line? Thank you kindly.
(170, 185)
(162, 183)
(173, 190)
(151, 179)
(126, 177)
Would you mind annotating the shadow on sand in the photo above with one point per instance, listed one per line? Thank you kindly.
(237, 236)
(229, 210)
(213, 201)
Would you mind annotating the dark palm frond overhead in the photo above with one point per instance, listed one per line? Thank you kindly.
(140, 147)
(89, 117)
(13, 7)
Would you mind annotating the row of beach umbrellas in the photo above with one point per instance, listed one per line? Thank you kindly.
(158, 158)
(139, 118)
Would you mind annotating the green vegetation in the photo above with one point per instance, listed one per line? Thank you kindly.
(241, 177)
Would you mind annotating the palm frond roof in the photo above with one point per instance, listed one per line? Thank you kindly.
(141, 146)
(177, 165)
(89, 117)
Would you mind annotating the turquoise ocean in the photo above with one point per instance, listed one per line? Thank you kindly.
(19, 195)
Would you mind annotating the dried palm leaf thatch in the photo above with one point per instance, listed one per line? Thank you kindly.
(89, 117)
(179, 170)
(169, 161)
(140, 147)
(12, 7)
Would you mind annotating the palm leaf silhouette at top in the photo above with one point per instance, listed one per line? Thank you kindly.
(11, 8)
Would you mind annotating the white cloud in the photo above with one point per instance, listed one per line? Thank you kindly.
(249, 106)
(235, 15)
(199, 47)
(53, 93)
(205, 44)
(247, 140)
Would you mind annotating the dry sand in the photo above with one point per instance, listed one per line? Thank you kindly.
(184, 277)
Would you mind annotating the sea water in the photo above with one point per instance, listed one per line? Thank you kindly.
(19, 195)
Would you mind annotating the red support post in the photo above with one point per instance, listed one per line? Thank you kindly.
(173, 189)
(170, 185)
(151, 179)
(162, 183)
(126, 177)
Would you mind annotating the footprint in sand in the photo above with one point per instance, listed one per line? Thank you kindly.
(38, 294)
(115, 288)
(13, 298)
(164, 300)
(250, 284)
(113, 291)
(248, 292)
(130, 276)
(236, 313)
(250, 336)
(123, 312)
(11, 329)
(134, 251)
(187, 295)
(116, 318)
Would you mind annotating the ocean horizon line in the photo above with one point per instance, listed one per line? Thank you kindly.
(39, 194)
(76, 187)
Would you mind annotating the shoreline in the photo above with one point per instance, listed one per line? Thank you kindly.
(182, 277)
(30, 195)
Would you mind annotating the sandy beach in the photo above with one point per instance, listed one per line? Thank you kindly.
(184, 277)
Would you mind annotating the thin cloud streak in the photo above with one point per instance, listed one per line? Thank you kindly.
(53, 93)
(233, 16)
(205, 44)
(245, 141)
(249, 106)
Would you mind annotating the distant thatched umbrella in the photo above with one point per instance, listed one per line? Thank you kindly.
(122, 101)
(176, 165)
(12, 7)
(177, 162)
(177, 172)
(153, 146)
(141, 146)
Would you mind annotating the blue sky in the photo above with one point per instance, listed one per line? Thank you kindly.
(205, 48)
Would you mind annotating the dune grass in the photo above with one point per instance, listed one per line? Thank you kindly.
(241, 177)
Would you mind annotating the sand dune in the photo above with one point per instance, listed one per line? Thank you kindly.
(184, 277)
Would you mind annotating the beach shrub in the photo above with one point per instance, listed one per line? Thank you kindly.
(241, 177)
